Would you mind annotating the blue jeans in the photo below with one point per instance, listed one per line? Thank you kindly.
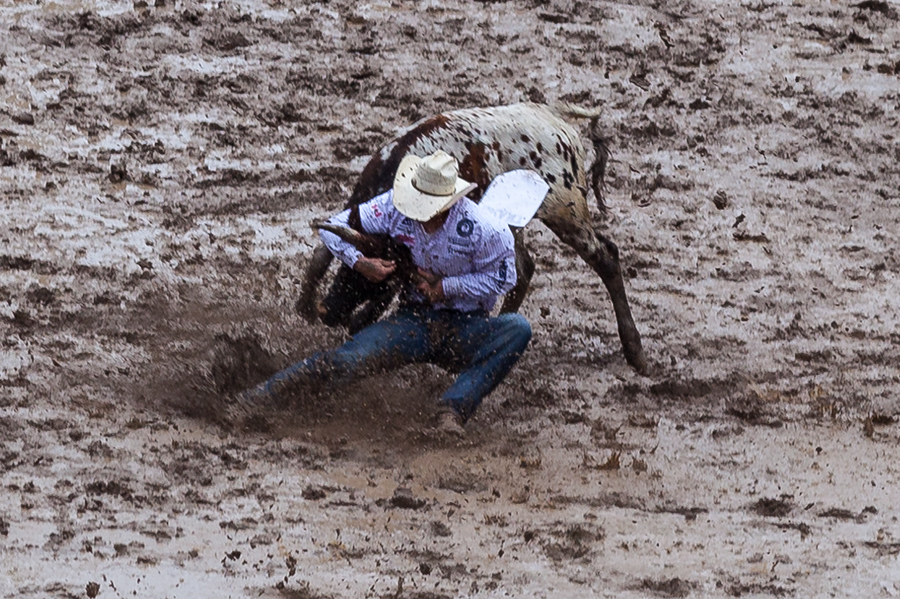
(481, 348)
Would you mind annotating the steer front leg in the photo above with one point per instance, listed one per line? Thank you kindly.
(309, 289)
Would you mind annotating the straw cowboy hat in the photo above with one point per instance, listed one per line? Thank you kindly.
(425, 187)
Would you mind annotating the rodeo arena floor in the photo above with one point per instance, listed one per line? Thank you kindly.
(160, 165)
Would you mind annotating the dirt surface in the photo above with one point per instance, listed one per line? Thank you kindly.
(159, 166)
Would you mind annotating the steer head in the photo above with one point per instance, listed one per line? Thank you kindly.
(374, 246)
(350, 290)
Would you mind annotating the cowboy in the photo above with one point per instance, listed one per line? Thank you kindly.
(465, 259)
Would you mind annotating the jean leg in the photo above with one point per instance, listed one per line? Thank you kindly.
(387, 344)
(490, 347)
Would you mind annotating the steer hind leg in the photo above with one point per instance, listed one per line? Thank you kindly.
(603, 256)
(524, 272)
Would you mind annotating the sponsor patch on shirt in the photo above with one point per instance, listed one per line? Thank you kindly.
(465, 227)
(462, 250)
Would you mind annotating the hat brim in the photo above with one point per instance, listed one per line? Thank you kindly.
(417, 205)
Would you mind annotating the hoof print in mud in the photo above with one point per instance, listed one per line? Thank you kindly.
(573, 542)
(404, 499)
(313, 493)
(774, 507)
(672, 587)
(92, 589)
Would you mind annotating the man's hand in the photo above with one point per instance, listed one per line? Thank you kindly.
(375, 269)
(431, 286)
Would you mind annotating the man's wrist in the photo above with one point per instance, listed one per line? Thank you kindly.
(354, 260)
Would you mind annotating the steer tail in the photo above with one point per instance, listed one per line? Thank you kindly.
(601, 147)
(575, 112)
(598, 169)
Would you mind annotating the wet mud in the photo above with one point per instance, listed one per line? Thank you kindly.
(160, 163)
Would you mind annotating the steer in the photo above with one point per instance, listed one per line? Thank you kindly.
(487, 142)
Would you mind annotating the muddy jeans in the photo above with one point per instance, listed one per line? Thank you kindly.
(481, 348)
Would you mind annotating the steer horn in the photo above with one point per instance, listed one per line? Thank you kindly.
(369, 245)
(346, 233)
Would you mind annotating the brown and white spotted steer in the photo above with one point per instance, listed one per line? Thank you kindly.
(488, 142)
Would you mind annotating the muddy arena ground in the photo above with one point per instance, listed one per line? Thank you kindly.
(159, 167)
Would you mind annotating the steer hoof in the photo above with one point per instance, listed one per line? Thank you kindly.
(638, 362)
(636, 358)
(305, 309)
(632, 347)
(311, 310)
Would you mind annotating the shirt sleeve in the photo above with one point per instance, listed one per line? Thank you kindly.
(343, 250)
(374, 218)
(495, 270)
(378, 214)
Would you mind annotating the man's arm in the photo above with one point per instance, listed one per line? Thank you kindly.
(343, 250)
(373, 268)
